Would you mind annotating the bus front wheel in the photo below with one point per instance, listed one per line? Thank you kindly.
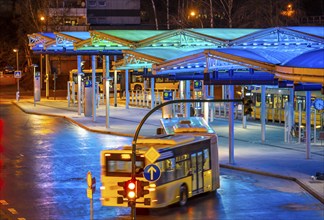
(183, 195)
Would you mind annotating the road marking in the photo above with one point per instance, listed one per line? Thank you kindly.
(3, 202)
(13, 211)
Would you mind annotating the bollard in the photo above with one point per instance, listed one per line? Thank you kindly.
(132, 91)
(17, 96)
(225, 110)
(136, 97)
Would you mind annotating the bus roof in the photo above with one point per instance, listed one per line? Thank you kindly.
(186, 125)
(160, 143)
(167, 140)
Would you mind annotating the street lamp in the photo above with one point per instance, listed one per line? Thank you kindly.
(193, 14)
(17, 69)
(44, 23)
(289, 12)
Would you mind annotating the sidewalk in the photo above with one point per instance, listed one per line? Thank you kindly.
(273, 158)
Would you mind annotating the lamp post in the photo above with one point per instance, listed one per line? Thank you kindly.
(44, 23)
(17, 69)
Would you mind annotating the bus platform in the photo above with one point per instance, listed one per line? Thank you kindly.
(273, 157)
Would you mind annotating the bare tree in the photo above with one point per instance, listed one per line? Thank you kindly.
(227, 6)
(211, 13)
(168, 15)
(155, 16)
(267, 13)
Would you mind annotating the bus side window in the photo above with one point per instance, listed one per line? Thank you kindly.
(170, 164)
(206, 159)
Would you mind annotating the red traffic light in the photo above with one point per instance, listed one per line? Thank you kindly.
(130, 188)
(131, 185)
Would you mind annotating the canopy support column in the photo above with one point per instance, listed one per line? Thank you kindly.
(47, 75)
(93, 63)
(231, 125)
(308, 124)
(291, 113)
(152, 92)
(79, 60)
(181, 95)
(115, 84)
(187, 97)
(263, 112)
(127, 88)
(212, 105)
(107, 89)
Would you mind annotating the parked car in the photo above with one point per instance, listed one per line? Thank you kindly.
(8, 70)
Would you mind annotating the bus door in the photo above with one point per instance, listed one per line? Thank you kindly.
(197, 172)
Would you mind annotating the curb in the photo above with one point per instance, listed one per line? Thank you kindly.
(264, 173)
(76, 123)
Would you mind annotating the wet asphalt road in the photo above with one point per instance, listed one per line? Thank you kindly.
(46, 159)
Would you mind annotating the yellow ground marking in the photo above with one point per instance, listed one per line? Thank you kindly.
(3, 202)
(13, 211)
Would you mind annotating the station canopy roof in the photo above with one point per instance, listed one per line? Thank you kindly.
(292, 53)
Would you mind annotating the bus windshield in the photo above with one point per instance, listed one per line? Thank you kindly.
(121, 165)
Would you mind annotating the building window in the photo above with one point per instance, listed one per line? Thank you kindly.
(92, 3)
(92, 20)
(102, 3)
(101, 20)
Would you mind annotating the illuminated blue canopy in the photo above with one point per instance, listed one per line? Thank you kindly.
(236, 54)
(311, 59)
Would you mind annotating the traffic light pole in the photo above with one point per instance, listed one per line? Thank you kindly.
(140, 125)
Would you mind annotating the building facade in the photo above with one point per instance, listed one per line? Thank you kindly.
(82, 15)
(113, 12)
(67, 15)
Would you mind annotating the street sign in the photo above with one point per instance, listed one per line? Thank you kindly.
(89, 193)
(152, 172)
(167, 95)
(197, 85)
(91, 181)
(37, 74)
(88, 83)
(17, 74)
(152, 155)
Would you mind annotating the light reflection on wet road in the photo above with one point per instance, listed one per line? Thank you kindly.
(46, 160)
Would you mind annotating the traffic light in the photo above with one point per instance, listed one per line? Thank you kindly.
(141, 192)
(129, 191)
(131, 188)
(247, 106)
